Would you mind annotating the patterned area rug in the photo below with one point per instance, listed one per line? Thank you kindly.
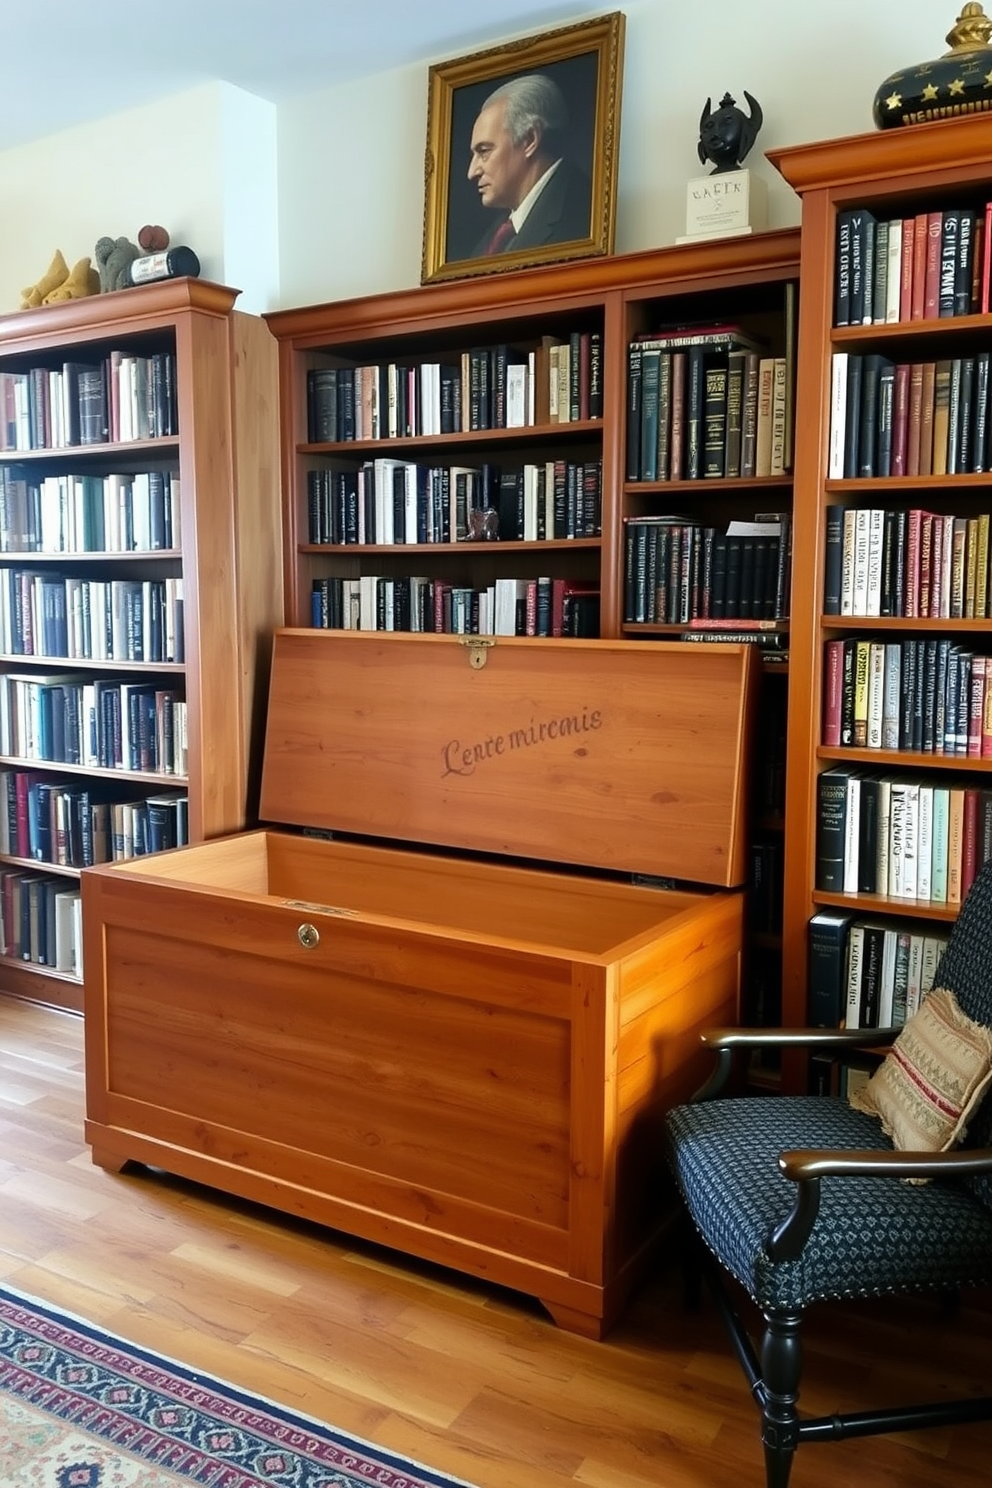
(80, 1408)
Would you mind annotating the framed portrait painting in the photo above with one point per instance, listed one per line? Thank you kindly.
(522, 149)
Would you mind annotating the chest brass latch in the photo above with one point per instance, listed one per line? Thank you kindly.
(478, 646)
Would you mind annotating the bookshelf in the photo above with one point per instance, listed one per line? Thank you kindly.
(862, 504)
(750, 282)
(141, 576)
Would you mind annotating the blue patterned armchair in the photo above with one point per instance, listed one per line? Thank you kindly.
(799, 1198)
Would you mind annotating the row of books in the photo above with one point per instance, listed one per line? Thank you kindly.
(41, 920)
(929, 695)
(115, 400)
(108, 724)
(62, 615)
(74, 826)
(913, 564)
(508, 607)
(558, 381)
(898, 836)
(921, 266)
(908, 418)
(389, 501)
(678, 571)
(714, 409)
(868, 974)
(138, 512)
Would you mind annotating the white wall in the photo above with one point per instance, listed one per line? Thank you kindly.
(323, 197)
(202, 164)
(351, 161)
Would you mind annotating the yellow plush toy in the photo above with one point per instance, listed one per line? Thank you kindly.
(59, 282)
(82, 280)
(56, 274)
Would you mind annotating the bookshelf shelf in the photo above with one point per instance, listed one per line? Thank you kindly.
(472, 438)
(220, 580)
(911, 182)
(874, 904)
(710, 485)
(453, 550)
(904, 759)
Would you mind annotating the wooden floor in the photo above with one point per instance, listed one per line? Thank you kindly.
(470, 1380)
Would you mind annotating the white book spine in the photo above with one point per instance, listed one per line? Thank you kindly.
(852, 833)
(893, 275)
(887, 980)
(873, 581)
(897, 827)
(924, 843)
(910, 841)
(838, 415)
(862, 530)
(848, 545)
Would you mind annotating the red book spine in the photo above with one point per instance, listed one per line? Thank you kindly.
(900, 420)
(987, 717)
(926, 418)
(977, 255)
(557, 607)
(976, 710)
(983, 303)
(677, 437)
(833, 690)
(919, 265)
(969, 840)
(931, 286)
(936, 567)
(530, 609)
(914, 423)
(912, 585)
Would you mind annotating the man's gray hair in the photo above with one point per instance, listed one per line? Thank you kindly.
(532, 102)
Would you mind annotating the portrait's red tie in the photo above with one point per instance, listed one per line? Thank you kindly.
(502, 234)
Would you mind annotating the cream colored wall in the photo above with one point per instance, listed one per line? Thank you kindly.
(323, 197)
(351, 176)
(202, 164)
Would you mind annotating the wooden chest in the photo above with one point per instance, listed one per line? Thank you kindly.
(462, 1054)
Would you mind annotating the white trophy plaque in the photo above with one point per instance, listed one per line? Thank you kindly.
(726, 204)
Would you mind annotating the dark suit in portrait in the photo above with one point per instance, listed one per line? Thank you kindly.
(561, 214)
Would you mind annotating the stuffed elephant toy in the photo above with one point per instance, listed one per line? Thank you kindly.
(113, 257)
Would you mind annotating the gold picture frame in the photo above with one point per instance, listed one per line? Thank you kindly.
(481, 152)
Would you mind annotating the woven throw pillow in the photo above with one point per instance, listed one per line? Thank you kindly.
(932, 1078)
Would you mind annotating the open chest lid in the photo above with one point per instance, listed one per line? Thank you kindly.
(618, 755)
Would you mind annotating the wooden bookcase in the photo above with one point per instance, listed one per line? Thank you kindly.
(896, 175)
(750, 281)
(617, 298)
(228, 557)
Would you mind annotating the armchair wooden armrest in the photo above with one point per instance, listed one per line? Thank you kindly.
(728, 1042)
(806, 1166)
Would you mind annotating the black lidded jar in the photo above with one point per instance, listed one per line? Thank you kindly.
(171, 263)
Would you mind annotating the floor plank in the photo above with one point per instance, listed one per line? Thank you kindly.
(466, 1377)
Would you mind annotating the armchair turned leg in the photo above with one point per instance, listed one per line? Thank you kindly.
(781, 1366)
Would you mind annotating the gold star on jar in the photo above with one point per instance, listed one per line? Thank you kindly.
(893, 101)
(957, 87)
(988, 80)
(929, 93)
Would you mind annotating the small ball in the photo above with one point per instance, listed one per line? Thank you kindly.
(153, 239)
